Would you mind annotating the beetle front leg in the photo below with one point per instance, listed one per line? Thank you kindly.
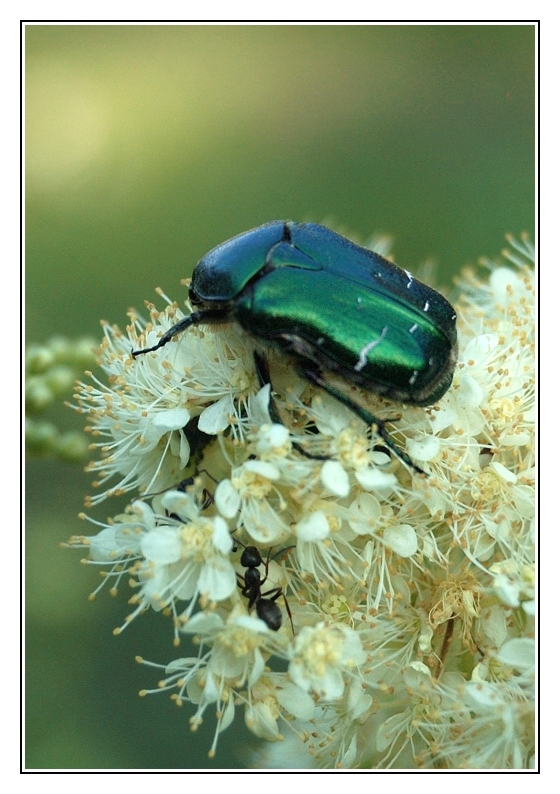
(315, 377)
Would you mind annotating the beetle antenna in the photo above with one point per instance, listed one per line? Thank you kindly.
(185, 323)
(196, 318)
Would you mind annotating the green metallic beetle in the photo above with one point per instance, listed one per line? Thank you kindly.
(333, 307)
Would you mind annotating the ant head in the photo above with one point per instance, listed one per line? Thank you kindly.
(251, 557)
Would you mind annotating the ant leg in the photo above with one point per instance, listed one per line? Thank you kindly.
(265, 577)
(282, 551)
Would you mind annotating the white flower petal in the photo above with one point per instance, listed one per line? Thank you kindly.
(372, 479)
(388, 731)
(506, 589)
(518, 653)
(298, 674)
(188, 585)
(211, 691)
(504, 282)
(331, 417)
(215, 419)
(364, 514)
(182, 504)
(256, 625)
(380, 458)
(347, 759)
(221, 537)
(162, 545)
(184, 450)
(358, 701)
(271, 438)
(296, 702)
(155, 582)
(217, 579)
(469, 393)
(172, 419)
(479, 348)
(204, 623)
(424, 449)
(401, 539)
(259, 405)
(444, 417)
(181, 664)
(156, 425)
(505, 474)
(103, 547)
(494, 624)
(332, 684)
(227, 715)
(483, 694)
(313, 527)
(416, 676)
(334, 478)
(263, 523)
(263, 468)
(144, 513)
(352, 652)
(529, 607)
(227, 499)
(257, 669)
(260, 721)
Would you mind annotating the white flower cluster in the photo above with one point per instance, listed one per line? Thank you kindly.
(406, 599)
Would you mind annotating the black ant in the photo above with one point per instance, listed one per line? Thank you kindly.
(265, 603)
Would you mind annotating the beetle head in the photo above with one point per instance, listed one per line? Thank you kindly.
(224, 272)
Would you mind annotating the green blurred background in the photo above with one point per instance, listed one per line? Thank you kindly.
(147, 146)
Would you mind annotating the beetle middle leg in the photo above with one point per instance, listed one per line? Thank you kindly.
(315, 377)
(263, 374)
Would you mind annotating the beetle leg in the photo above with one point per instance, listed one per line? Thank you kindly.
(263, 374)
(315, 377)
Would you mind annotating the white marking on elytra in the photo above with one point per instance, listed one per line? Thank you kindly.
(362, 361)
(410, 279)
(413, 377)
(413, 328)
(426, 306)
